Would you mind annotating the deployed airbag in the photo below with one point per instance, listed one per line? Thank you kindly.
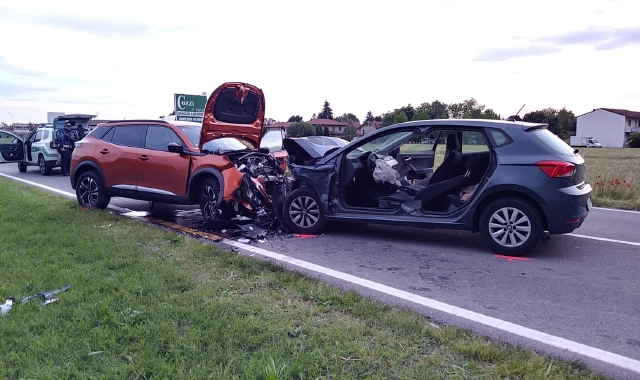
(384, 173)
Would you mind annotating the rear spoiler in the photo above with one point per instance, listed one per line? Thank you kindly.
(528, 128)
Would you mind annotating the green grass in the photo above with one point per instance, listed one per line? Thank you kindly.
(614, 175)
(148, 303)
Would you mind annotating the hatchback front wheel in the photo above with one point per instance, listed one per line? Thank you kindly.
(511, 226)
(303, 213)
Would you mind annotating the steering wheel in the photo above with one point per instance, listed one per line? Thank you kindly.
(371, 161)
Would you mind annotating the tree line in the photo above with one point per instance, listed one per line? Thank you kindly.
(562, 122)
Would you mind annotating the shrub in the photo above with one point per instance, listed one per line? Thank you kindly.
(634, 140)
(301, 130)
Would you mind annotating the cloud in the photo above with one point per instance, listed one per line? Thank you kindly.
(113, 27)
(6, 67)
(15, 91)
(603, 38)
(504, 54)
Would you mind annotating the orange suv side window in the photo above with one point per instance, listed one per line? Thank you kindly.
(132, 136)
(159, 138)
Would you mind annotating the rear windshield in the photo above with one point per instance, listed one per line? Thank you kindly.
(553, 142)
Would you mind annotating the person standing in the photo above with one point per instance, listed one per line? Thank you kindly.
(65, 142)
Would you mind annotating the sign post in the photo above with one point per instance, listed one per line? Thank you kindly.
(189, 107)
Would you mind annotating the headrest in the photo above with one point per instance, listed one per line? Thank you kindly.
(472, 162)
(452, 143)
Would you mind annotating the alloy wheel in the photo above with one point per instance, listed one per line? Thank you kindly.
(510, 227)
(89, 192)
(209, 199)
(42, 165)
(304, 211)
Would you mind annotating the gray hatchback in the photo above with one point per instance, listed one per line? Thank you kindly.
(508, 180)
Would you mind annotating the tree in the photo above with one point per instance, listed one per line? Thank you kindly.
(327, 112)
(301, 129)
(548, 116)
(634, 140)
(345, 118)
(387, 119)
(369, 116)
(567, 123)
(420, 114)
(325, 131)
(377, 118)
(270, 121)
(313, 117)
(408, 111)
(400, 117)
(318, 130)
(435, 109)
(295, 119)
(490, 114)
(349, 132)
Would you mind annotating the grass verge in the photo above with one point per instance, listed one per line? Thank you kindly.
(148, 303)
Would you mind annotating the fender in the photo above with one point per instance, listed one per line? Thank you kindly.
(199, 173)
(83, 167)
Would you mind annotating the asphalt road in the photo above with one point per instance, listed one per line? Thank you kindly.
(578, 288)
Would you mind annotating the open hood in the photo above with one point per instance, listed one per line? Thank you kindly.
(234, 110)
(303, 150)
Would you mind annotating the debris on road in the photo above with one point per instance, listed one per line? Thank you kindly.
(305, 236)
(244, 241)
(8, 304)
(47, 296)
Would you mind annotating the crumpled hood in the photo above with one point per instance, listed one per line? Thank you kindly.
(234, 109)
(303, 150)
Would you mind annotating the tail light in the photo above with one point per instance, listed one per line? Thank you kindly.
(557, 169)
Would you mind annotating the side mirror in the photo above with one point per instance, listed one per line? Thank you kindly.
(175, 148)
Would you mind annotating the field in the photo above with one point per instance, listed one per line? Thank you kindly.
(147, 303)
(614, 175)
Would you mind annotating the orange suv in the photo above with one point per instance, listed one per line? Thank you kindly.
(217, 165)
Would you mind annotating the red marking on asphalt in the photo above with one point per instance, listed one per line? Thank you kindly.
(84, 208)
(511, 258)
(304, 236)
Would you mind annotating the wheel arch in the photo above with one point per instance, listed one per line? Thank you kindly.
(84, 167)
(512, 193)
(196, 179)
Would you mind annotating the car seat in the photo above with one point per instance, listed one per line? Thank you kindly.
(434, 190)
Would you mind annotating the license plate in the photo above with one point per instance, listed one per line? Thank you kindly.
(589, 204)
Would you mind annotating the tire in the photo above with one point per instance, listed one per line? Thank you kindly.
(42, 164)
(22, 167)
(303, 213)
(210, 199)
(90, 191)
(511, 226)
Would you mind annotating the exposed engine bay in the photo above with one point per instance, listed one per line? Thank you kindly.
(262, 191)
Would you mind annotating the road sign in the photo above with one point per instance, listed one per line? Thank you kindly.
(189, 107)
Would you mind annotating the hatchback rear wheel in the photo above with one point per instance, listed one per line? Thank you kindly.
(44, 168)
(511, 226)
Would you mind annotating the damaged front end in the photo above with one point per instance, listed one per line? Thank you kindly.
(262, 190)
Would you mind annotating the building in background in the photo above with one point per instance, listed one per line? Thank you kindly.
(610, 126)
(52, 115)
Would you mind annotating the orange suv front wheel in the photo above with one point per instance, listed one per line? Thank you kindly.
(209, 199)
(90, 191)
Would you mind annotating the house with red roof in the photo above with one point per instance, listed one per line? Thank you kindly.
(610, 126)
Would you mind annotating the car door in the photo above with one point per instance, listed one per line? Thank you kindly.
(11, 148)
(118, 152)
(29, 154)
(160, 172)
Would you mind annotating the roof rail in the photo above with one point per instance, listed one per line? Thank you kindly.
(136, 121)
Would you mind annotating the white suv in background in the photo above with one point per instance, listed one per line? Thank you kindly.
(40, 151)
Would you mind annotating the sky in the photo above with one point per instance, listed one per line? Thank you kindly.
(126, 59)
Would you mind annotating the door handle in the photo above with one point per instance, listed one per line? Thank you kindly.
(143, 158)
(407, 159)
(104, 151)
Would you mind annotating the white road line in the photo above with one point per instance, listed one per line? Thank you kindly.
(58, 191)
(48, 188)
(615, 209)
(539, 336)
(605, 239)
